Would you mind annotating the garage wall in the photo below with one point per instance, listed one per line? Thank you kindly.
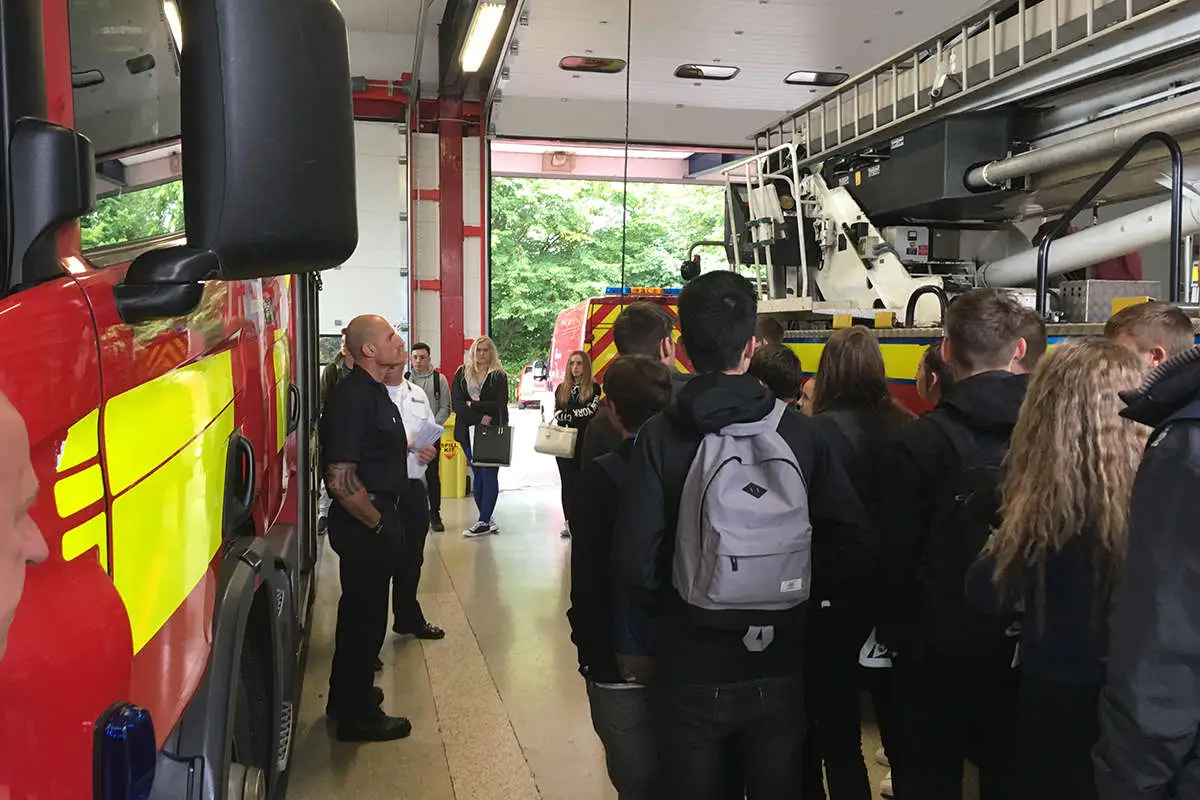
(374, 280)
(426, 308)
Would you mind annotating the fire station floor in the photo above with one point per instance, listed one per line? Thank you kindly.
(498, 709)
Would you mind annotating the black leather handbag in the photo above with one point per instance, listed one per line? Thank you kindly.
(491, 446)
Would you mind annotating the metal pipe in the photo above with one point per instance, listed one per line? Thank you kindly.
(996, 173)
(1097, 243)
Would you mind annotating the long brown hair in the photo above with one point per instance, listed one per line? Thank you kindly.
(1071, 465)
(587, 385)
(851, 368)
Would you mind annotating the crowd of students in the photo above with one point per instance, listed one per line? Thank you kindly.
(1006, 576)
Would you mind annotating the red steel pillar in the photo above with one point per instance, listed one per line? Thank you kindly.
(450, 181)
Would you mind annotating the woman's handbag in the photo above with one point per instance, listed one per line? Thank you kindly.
(553, 440)
(491, 446)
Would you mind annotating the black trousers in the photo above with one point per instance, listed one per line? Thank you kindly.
(762, 721)
(568, 471)
(1057, 726)
(364, 558)
(833, 688)
(407, 575)
(941, 707)
(433, 480)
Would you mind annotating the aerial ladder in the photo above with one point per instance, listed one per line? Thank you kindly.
(910, 182)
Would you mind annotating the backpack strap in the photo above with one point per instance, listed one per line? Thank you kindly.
(948, 420)
(437, 387)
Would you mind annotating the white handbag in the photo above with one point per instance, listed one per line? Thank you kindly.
(555, 440)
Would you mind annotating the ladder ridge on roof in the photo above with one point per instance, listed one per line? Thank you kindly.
(982, 62)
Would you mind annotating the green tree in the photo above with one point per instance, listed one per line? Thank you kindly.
(135, 215)
(556, 242)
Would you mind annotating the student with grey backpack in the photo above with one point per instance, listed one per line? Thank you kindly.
(732, 503)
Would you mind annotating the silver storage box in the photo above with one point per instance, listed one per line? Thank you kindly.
(1091, 301)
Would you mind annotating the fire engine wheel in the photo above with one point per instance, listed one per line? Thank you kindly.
(250, 752)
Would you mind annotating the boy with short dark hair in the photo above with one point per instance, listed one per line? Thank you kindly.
(780, 371)
(954, 680)
(613, 652)
(730, 633)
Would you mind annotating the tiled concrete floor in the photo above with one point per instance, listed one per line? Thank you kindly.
(498, 709)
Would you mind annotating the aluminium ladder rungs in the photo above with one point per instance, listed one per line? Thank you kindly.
(999, 54)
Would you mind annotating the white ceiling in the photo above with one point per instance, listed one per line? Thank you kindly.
(776, 37)
(387, 16)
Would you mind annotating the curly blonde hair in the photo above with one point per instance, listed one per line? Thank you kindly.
(1071, 466)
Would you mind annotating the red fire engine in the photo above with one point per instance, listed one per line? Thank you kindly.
(168, 385)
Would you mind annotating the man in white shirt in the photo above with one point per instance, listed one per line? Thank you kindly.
(415, 411)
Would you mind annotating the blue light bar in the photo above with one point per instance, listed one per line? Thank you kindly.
(672, 291)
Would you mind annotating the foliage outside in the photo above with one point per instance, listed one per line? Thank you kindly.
(556, 242)
(135, 215)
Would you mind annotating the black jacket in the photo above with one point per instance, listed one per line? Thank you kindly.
(602, 435)
(1150, 707)
(577, 414)
(492, 402)
(916, 468)
(592, 612)
(860, 437)
(1064, 631)
(644, 542)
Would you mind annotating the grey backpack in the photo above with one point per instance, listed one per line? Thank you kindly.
(744, 539)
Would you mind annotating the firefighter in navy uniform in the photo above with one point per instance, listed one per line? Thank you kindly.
(363, 459)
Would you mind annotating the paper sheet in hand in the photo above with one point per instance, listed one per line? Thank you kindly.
(430, 433)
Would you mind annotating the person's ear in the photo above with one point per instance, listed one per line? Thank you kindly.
(1157, 356)
(947, 356)
(1021, 349)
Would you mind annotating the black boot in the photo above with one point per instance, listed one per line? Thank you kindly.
(376, 727)
(435, 523)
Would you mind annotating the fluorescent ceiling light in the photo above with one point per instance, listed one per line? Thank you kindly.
(706, 72)
(805, 77)
(171, 12)
(609, 66)
(479, 36)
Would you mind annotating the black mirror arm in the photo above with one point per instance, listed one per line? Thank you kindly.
(165, 283)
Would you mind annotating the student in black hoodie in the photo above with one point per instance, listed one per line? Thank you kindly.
(722, 688)
(853, 407)
(612, 649)
(952, 666)
(1150, 708)
(1059, 552)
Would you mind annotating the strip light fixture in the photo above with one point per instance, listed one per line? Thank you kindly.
(479, 36)
(174, 24)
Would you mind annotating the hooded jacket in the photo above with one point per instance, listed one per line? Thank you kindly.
(916, 469)
(1150, 708)
(644, 538)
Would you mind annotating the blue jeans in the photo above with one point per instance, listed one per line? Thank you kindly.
(485, 486)
(622, 718)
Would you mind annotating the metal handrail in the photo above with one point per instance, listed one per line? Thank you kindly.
(1086, 199)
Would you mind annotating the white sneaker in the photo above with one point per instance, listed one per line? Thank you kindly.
(477, 530)
(566, 531)
(885, 785)
(493, 528)
(881, 758)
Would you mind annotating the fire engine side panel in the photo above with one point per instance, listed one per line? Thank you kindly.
(175, 391)
(70, 647)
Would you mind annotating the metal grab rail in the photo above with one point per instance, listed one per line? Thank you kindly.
(1086, 200)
